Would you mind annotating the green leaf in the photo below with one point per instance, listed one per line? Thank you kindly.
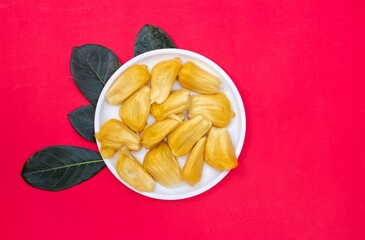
(60, 167)
(151, 38)
(91, 67)
(82, 120)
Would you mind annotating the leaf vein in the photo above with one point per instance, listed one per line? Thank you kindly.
(95, 72)
(70, 165)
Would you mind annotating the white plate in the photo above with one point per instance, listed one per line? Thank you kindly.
(237, 127)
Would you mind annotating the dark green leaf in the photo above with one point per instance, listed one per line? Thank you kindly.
(151, 38)
(60, 167)
(91, 67)
(82, 120)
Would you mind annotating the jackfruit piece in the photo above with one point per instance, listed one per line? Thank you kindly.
(177, 102)
(132, 172)
(163, 76)
(215, 107)
(184, 137)
(163, 166)
(193, 167)
(157, 131)
(219, 150)
(135, 110)
(127, 83)
(114, 134)
(197, 79)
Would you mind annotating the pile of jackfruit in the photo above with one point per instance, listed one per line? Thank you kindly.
(192, 125)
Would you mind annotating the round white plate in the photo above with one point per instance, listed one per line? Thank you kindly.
(237, 127)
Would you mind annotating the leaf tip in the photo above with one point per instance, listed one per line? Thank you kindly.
(75, 48)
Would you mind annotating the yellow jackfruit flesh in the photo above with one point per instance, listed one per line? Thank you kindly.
(127, 83)
(193, 167)
(114, 134)
(197, 79)
(157, 131)
(107, 152)
(215, 107)
(163, 166)
(183, 138)
(135, 110)
(219, 150)
(177, 102)
(132, 172)
(163, 76)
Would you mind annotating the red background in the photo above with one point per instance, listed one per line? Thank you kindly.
(299, 66)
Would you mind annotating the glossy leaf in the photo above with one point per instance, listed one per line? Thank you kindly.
(91, 67)
(82, 120)
(151, 38)
(60, 167)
